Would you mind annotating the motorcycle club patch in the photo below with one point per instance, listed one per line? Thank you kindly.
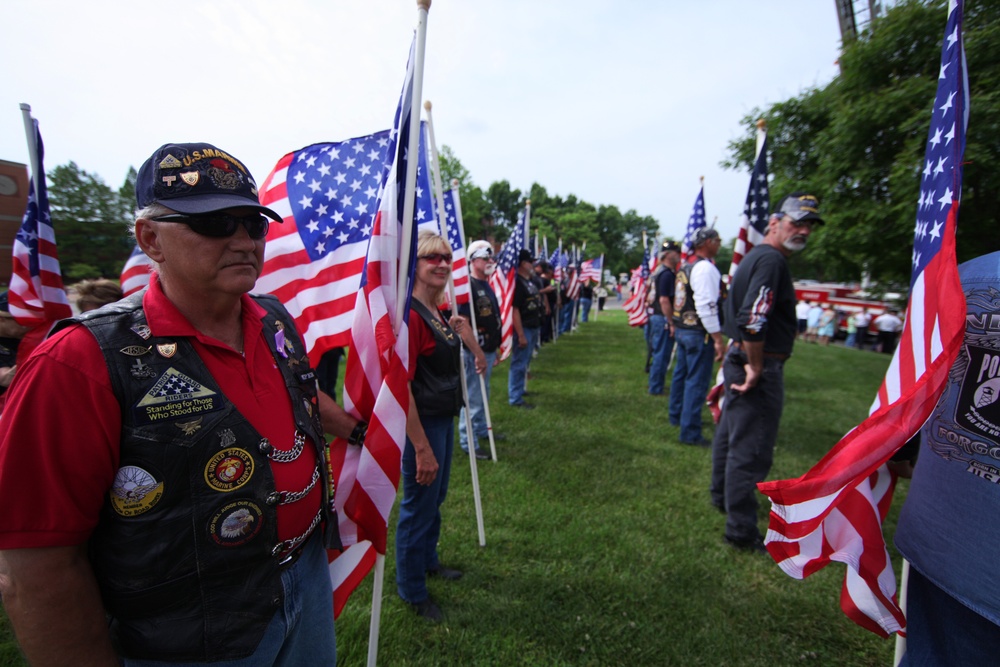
(175, 396)
(229, 469)
(134, 491)
(142, 331)
(236, 523)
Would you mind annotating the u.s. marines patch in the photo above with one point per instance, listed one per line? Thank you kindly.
(175, 396)
(134, 491)
(229, 469)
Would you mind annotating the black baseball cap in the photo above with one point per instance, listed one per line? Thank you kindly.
(669, 246)
(525, 256)
(800, 206)
(196, 179)
(703, 235)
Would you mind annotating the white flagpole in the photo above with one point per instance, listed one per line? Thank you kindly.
(600, 286)
(30, 134)
(472, 313)
(527, 223)
(443, 224)
(404, 257)
(901, 639)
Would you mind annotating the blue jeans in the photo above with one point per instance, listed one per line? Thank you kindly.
(420, 511)
(301, 633)
(940, 630)
(662, 344)
(566, 317)
(519, 359)
(476, 408)
(692, 371)
(585, 305)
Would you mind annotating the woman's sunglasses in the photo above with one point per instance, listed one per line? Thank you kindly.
(220, 225)
(436, 257)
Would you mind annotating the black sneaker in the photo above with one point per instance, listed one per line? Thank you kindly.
(482, 454)
(755, 545)
(446, 573)
(428, 609)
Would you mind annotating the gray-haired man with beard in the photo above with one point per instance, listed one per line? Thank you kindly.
(760, 320)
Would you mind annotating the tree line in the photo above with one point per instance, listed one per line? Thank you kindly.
(858, 143)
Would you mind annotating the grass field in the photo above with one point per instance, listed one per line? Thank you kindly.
(601, 545)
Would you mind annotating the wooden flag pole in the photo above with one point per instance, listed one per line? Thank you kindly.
(401, 281)
(472, 313)
(443, 224)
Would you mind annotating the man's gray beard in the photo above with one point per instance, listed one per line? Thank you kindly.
(793, 245)
(489, 270)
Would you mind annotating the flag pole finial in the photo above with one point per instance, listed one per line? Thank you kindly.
(427, 105)
(761, 124)
(702, 179)
(424, 4)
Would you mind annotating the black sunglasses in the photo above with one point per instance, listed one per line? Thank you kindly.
(220, 225)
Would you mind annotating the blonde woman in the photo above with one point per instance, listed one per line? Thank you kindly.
(435, 399)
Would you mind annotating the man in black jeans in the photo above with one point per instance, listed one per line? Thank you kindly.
(760, 320)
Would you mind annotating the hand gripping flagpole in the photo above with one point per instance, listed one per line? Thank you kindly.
(443, 224)
(472, 312)
(401, 281)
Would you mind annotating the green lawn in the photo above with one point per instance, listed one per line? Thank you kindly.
(601, 545)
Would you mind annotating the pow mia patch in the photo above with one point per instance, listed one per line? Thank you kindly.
(229, 469)
(978, 407)
(236, 523)
(175, 396)
(134, 491)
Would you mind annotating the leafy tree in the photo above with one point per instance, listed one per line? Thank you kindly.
(858, 143)
(90, 221)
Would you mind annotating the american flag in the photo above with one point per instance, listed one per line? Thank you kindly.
(695, 222)
(558, 260)
(36, 294)
(375, 385)
(753, 226)
(635, 305)
(327, 196)
(573, 289)
(835, 511)
(503, 280)
(135, 273)
(592, 269)
(459, 266)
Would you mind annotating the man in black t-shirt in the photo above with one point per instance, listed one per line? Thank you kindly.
(487, 312)
(661, 328)
(761, 322)
(527, 315)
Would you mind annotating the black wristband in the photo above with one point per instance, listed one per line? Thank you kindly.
(358, 434)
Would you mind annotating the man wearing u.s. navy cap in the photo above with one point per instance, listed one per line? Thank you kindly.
(174, 503)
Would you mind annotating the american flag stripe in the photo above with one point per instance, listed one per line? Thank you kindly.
(135, 273)
(36, 295)
(842, 501)
(375, 386)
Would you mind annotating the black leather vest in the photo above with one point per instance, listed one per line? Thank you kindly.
(186, 552)
(436, 386)
(487, 314)
(685, 313)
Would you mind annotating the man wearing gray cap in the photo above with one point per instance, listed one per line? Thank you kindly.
(697, 333)
(760, 319)
(181, 505)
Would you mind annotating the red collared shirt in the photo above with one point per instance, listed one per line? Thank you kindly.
(60, 428)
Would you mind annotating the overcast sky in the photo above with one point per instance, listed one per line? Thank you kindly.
(622, 102)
